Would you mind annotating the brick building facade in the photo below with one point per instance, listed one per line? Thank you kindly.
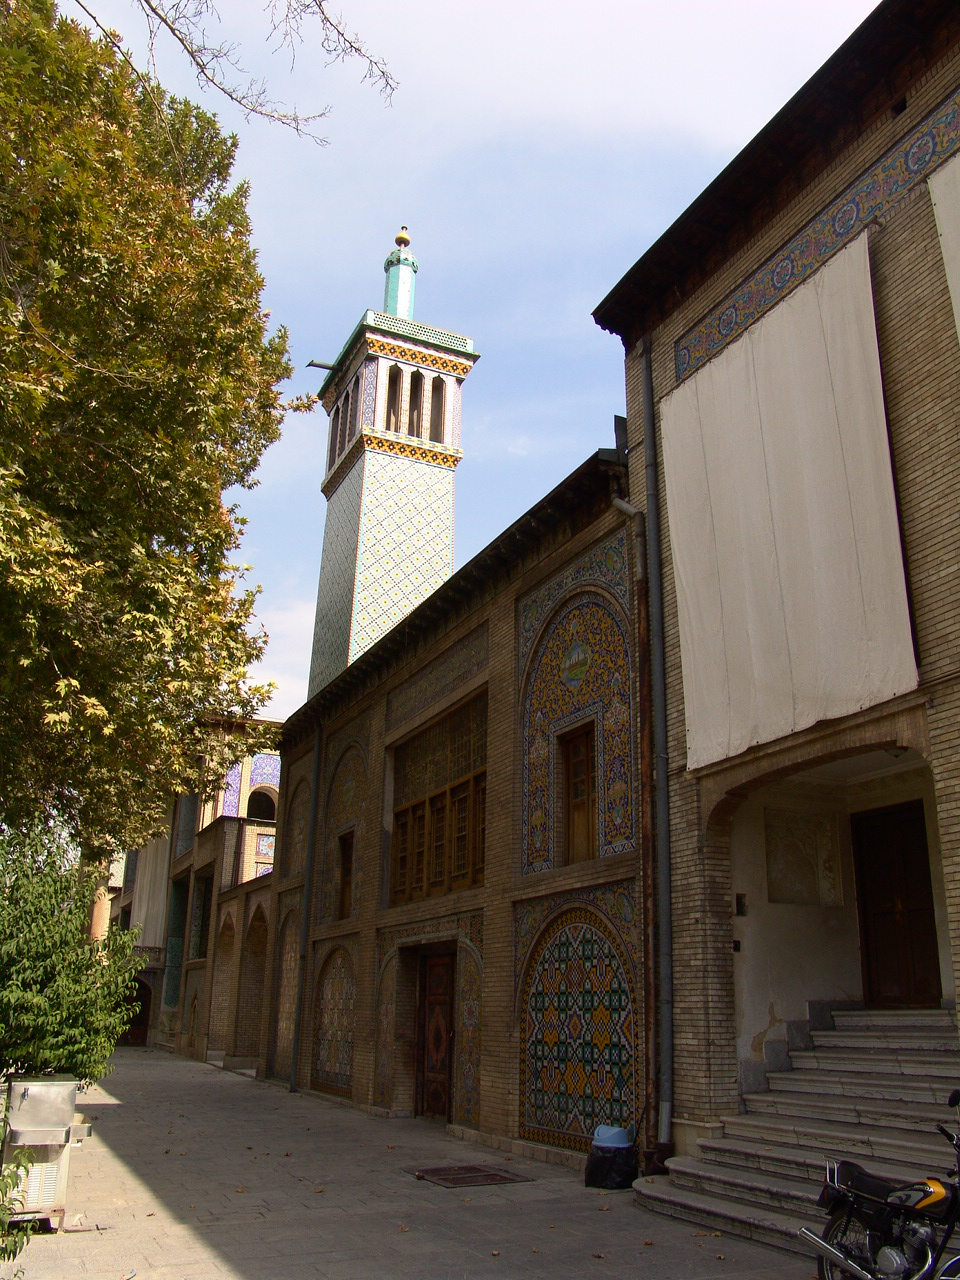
(815, 859)
(456, 925)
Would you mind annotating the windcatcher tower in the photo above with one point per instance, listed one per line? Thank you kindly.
(393, 398)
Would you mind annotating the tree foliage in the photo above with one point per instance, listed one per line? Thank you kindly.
(64, 999)
(137, 384)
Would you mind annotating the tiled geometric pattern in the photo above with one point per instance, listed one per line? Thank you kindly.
(581, 669)
(466, 1093)
(577, 1068)
(334, 1022)
(615, 902)
(605, 566)
(293, 851)
(346, 803)
(423, 359)
(386, 1017)
(368, 402)
(452, 669)
(331, 632)
(405, 546)
(871, 197)
(287, 967)
(265, 771)
(231, 792)
(266, 846)
(455, 390)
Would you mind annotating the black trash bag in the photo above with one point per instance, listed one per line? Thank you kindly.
(611, 1168)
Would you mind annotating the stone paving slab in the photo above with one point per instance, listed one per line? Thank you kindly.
(193, 1173)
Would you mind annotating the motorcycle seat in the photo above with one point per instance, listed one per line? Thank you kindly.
(853, 1177)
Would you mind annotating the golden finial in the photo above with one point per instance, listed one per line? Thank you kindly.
(403, 239)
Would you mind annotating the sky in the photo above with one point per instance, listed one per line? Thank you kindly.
(534, 150)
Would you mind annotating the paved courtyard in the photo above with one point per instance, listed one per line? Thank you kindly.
(198, 1174)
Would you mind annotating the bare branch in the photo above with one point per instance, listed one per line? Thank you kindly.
(288, 17)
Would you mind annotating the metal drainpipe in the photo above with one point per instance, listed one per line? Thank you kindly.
(644, 731)
(662, 794)
(305, 919)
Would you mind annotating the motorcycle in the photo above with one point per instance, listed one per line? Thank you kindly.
(880, 1228)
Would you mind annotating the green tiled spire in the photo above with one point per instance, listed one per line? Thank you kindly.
(401, 270)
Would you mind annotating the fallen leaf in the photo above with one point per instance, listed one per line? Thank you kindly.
(318, 1190)
(389, 1146)
(719, 1257)
(183, 1153)
(717, 1235)
(287, 1153)
(648, 1242)
(535, 1249)
(193, 1206)
(249, 1148)
(604, 1208)
(240, 1190)
(698, 1235)
(494, 1253)
(466, 1199)
(599, 1255)
(166, 1151)
(552, 1226)
(419, 1176)
(403, 1228)
(152, 1213)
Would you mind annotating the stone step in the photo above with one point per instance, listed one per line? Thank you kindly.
(792, 1196)
(892, 1089)
(894, 1018)
(917, 1117)
(728, 1217)
(892, 1062)
(917, 1039)
(889, 1152)
(769, 1151)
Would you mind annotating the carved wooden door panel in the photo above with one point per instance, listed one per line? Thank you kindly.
(898, 935)
(436, 1035)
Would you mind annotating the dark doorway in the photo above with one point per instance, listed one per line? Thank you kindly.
(898, 935)
(136, 1033)
(435, 1035)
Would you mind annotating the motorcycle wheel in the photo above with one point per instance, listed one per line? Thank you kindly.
(854, 1238)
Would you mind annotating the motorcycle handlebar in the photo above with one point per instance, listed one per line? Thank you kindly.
(950, 1137)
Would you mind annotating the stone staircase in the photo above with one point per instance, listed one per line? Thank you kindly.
(871, 1090)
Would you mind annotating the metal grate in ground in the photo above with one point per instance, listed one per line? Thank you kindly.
(467, 1175)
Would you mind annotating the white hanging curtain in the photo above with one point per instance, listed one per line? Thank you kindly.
(944, 184)
(783, 523)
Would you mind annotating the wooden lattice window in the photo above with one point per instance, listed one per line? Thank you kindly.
(439, 820)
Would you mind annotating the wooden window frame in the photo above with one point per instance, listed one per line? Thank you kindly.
(567, 744)
(439, 831)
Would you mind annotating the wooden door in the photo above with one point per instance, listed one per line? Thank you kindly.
(898, 935)
(436, 1035)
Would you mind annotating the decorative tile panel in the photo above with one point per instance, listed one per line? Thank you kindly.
(604, 566)
(288, 963)
(579, 1034)
(446, 673)
(465, 928)
(334, 1025)
(615, 902)
(405, 546)
(266, 846)
(866, 200)
(368, 404)
(386, 1019)
(265, 771)
(467, 1066)
(331, 633)
(580, 670)
(231, 792)
(293, 851)
(345, 808)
